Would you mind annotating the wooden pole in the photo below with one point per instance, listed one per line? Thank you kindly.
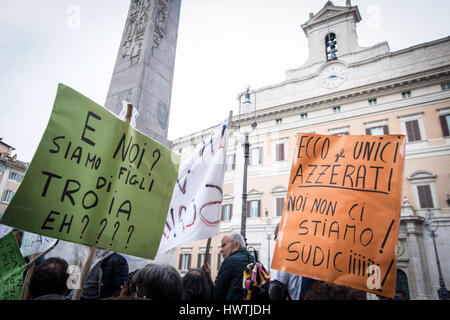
(30, 269)
(208, 247)
(129, 113)
(91, 254)
(85, 272)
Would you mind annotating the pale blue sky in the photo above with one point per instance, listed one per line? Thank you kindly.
(223, 45)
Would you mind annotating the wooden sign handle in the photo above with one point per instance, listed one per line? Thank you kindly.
(85, 272)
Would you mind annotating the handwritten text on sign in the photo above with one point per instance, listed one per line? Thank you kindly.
(11, 268)
(341, 216)
(95, 180)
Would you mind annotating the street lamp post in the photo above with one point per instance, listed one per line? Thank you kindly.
(442, 292)
(245, 108)
(269, 235)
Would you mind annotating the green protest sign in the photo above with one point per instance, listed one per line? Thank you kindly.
(11, 268)
(96, 181)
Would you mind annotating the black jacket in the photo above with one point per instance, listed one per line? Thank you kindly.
(228, 284)
(106, 277)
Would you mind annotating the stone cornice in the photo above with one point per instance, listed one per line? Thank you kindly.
(18, 165)
(419, 80)
(335, 12)
(355, 94)
(352, 64)
(407, 82)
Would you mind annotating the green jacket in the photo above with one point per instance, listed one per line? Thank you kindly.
(228, 284)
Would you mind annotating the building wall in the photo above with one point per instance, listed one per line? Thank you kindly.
(371, 73)
(9, 164)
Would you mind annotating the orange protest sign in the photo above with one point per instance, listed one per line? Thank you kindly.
(342, 211)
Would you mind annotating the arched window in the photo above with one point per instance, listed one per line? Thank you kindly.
(331, 47)
(402, 284)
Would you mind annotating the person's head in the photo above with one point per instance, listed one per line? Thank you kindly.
(50, 277)
(18, 234)
(275, 231)
(231, 243)
(158, 282)
(130, 284)
(195, 286)
(329, 291)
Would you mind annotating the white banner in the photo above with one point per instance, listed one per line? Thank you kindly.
(4, 230)
(195, 208)
(34, 243)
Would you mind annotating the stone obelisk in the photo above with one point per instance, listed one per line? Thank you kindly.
(144, 68)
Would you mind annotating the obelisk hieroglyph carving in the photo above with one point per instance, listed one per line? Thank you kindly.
(144, 68)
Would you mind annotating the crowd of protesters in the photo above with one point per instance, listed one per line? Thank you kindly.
(110, 279)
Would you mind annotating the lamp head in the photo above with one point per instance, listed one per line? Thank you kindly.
(247, 108)
(247, 105)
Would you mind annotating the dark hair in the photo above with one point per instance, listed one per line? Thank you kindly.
(329, 291)
(195, 286)
(124, 298)
(50, 277)
(158, 282)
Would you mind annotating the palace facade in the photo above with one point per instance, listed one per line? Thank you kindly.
(345, 89)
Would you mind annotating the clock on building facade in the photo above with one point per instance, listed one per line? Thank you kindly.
(333, 75)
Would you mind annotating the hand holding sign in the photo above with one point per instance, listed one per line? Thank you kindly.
(341, 217)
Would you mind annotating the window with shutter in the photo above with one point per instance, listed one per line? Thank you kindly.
(254, 208)
(201, 259)
(279, 152)
(185, 261)
(280, 206)
(372, 102)
(260, 155)
(376, 131)
(227, 212)
(445, 124)
(255, 156)
(406, 95)
(188, 261)
(7, 195)
(231, 160)
(14, 176)
(425, 197)
(259, 208)
(413, 130)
